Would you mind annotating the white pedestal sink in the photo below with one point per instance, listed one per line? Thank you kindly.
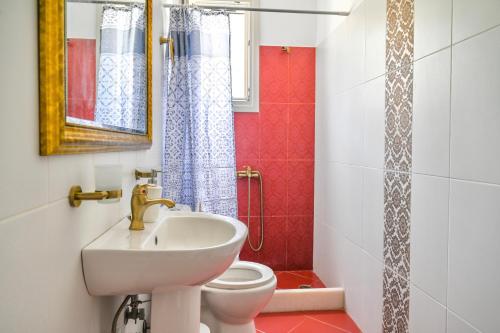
(170, 259)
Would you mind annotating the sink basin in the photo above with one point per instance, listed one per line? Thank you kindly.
(170, 259)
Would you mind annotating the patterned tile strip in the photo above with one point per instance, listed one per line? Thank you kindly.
(398, 163)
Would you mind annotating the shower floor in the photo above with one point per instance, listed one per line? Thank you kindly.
(298, 279)
(306, 322)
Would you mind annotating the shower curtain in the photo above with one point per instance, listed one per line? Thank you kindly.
(121, 84)
(199, 166)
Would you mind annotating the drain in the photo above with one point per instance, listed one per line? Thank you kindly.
(305, 286)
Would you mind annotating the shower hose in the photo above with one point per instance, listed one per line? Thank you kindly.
(261, 238)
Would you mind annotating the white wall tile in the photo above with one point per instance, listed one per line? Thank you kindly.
(328, 255)
(476, 109)
(473, 17)
(373, 212)
(345, 121)
(24, 278)
(474, 249)
(76, 229)
(371, 321)
(353, 266)
(432, 26)
(426, 315)
(375, 28)
(344, 201)
(373, 96)
(429, 235)
(20, 164)
(355, 47)
(457, 325)
(295, 30)
(431, 114)
(320, 184)
(66, 171)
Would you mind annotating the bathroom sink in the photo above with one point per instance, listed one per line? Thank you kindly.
(170, 259)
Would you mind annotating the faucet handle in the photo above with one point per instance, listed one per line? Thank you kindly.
(141, 189)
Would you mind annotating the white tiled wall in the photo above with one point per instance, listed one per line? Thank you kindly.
(455, 219)
(41, 236)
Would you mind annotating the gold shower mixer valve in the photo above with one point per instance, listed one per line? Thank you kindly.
(248, 173)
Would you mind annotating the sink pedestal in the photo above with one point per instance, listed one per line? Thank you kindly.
(176, 310)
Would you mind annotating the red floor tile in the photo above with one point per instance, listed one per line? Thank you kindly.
(338, 319)
(293, 279)
(279, 322)
(306, 322)
(312, 326)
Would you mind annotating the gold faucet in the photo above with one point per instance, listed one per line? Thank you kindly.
(140, 203)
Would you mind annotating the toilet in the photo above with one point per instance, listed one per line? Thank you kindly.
(230, 303)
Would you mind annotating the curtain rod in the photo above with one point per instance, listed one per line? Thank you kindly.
(269, 10)
(107, 2)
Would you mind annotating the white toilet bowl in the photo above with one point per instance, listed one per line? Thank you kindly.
(231, 302)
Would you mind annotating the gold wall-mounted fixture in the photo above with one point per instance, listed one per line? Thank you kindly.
(57, 136)
(151, 175)
(248, 173)
(286, 49)
(140, 202)
(171, 49)
(76, 195)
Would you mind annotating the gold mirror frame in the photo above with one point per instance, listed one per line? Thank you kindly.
(56, 136)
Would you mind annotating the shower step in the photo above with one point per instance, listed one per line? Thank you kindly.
(313, 299)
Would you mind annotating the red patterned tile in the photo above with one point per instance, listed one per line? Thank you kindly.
(300, 188)
(302, 75)
(273, 131)
(273, 253)
(81, 77)
(247, 131)
(301, 131)
(339, 319)
(275, 188)
(299, 243)
(246, 252)
(274, 83)
(278, 323)
(312, 326)
(309, 275)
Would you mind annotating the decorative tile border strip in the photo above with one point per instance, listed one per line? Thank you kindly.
(398, 163)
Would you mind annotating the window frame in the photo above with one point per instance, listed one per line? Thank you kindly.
(251, 103)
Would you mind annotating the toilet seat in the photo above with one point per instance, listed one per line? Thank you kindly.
(243, 275)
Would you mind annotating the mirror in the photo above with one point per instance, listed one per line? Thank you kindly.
(95, 75)
(106, 65)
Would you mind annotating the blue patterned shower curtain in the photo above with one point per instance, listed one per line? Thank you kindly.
(199, 152)
(121, 85)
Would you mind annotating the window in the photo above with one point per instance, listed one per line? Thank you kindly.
(244, 56)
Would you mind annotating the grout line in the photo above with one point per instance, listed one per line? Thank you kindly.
(328, 324)
(299, 324)
(462, 319)
(474, 35)
(449, 173)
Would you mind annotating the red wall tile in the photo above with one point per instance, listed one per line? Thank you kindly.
(302, 75)
(274, 71)
(279, 141)
(300, 183)
(299, 242)
(273, 131)
(81, 78)
(301, 132)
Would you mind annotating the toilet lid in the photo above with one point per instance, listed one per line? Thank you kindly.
(243, 275)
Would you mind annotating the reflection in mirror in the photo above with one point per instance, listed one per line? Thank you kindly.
(106, 65)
